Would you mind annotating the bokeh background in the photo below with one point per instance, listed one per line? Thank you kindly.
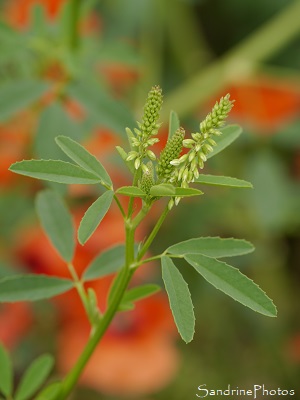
(88, 80)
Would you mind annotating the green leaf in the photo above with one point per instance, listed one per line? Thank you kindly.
(19, 94)
(167, 190)
(233, 283)
(34, 377)
(106, 263)
(83, 158)
(222, 181)
(174, 123)
(132, 191)
(229, 134)
(179, 298)
(126, 306)
(164, 189)
(6, 375)
(57, 222)
(50, 392)
(55, 171)
(31, 287)
(101, 107)
(140, 292)
(187, 192)
(215, 247)
(94, 216)
(54, 121)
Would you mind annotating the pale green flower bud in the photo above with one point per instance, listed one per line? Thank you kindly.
(202, 156)
(151, 155)
(177, 200)
(192, 156)
(175, 162)
(211, 141)
(170, 204)
(132, 155)
(185, 175)
(188, 143)
(137, 163)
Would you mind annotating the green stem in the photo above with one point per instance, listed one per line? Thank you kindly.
(74, 20)
(82, 294)
(141, 215)
(102, 325)
(131, 200)
(120, 206)
(153, 233)
(157, 257)
(240, 62)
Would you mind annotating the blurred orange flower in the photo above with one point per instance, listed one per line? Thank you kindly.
(17, 12)
(15, 320)
(14, 138)
(265, 103)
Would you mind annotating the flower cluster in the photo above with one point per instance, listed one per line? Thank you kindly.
(171, 152)
(201, 144)
(143, 137)
(147, 180)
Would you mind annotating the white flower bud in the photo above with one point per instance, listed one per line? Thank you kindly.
(188, 143)
(170, 204)
(131, 155)
(175, 162)
(151, 155)
(203, 156)
(192, 156)
(137, 163)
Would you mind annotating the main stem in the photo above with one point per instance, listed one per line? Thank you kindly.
(125, 276)
(73, 376)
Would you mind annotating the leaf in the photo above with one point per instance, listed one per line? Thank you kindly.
(126, 306)
(54, 121)
(174, 123)
(167, 190)
(6, 375)
(34, 377)
(179, 298)
(31, 287)
(140, 292)
(223, 181)
(56, 222)
(108, 262)
(94, 216)
(164, 189)
(215, 247)
(101, 107)
(187, 192)
(132, 191)
(19, 94)
(55, 171)
(229, 134)
(50, 392)
(233, 283)
(83, 158)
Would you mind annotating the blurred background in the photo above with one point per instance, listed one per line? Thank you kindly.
(83, 69)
